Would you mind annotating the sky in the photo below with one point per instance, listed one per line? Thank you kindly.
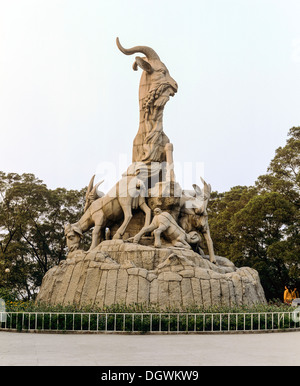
(69, 97)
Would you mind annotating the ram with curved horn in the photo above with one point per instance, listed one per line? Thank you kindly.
(156, 87)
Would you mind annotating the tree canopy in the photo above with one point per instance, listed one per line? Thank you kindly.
(259, 226)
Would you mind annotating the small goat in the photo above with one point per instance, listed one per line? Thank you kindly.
(194, 214)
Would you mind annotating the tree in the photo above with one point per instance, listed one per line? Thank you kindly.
(283, 174)
(32, 219)
(283, 177)
(260, 226)
(221, 211)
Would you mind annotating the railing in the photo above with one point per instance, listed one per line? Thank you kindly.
(170, 323)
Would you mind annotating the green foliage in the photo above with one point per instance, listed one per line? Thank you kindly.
(221, 210)
(284, 170)
(260, 226)
(32, 219)
(7, 295)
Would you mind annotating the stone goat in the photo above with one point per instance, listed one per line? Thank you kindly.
(127, 194)
(193, 214)
(163, 222)
(156, 87)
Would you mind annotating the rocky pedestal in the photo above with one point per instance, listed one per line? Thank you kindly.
(118, 272)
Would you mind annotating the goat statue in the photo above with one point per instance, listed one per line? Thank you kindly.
(129, 193)
(156, 87)
(193, 214)
(163, 222)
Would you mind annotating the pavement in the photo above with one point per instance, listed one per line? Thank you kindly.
(42, 349)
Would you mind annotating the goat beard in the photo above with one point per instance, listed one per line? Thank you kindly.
(161, 101)
(157, 98)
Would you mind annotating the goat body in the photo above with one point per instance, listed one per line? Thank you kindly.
(119, 202)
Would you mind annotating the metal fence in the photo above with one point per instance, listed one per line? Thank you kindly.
(170, 323)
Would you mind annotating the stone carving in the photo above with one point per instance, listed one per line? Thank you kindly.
(127, 194)
(92, 193)
(194, 214)
(163, 222)
(153, 262)
(156, 87)
(117, 272)
(73, 237)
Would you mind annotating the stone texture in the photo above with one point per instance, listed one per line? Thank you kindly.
(175, 278)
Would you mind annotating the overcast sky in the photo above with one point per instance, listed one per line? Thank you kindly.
(69, 97)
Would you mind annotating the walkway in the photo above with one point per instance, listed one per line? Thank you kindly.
(34, 349)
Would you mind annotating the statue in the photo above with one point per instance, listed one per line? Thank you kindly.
(163, 222)
(156, 87)
(128, 193)
(73, 237)
(134, 258)
(150, 146)
(194, 214)
(92, 193)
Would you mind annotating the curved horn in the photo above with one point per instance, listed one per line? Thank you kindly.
(198, 190)
(91, 192)
(90, 187)
(149, 52)
(207, 187)
(94, 190)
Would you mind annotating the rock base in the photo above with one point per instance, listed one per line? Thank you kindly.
(118, 272)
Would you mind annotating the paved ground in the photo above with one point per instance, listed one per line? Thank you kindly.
(32, 349)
